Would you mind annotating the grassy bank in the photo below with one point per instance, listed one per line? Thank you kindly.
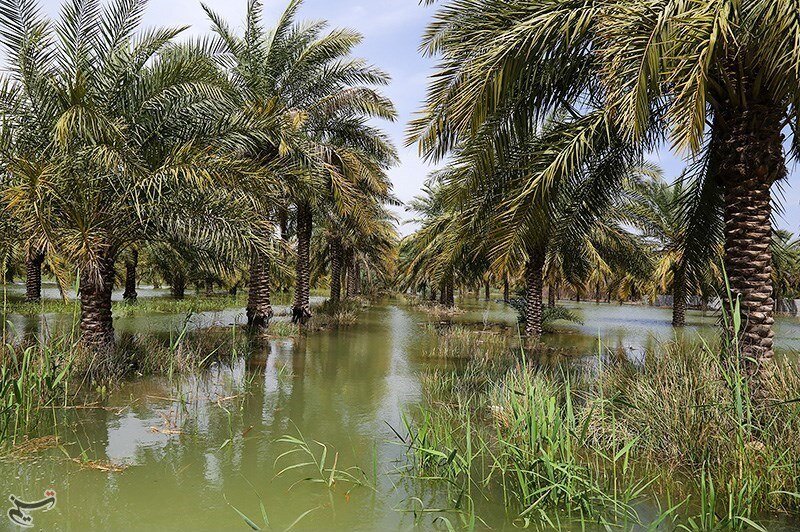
(673, 440)
(156, 305)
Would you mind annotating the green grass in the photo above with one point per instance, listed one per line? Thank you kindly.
(159, 305)
(330, 316)
(33, 377)
(563, 445)
(40, 374)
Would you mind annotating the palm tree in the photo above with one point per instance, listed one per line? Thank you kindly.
(432, 255)
(357, 247)
(683, 222)
(131, 262)
(718, 78)
(126, 116)
(320, 97)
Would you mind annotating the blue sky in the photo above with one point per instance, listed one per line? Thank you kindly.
(392, 32)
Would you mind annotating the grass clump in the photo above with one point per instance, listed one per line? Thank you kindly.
(34, 376)
(592, 442)
(331, 315)
(40, 374)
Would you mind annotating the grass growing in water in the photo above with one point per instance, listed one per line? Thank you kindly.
(42, 374)
(599, 442)
(33, 377)
(143, 306)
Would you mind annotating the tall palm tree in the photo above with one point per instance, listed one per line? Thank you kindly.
(717, 78)
(683, 222)
(127, 117)
(356, 247)
(303, 75)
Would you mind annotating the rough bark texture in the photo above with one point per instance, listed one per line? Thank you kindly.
(505, 290)
(486, 289)
(446, 293)
(351, 277)
(551, 296)
(336, 270)
(679, 298)
(301, 310)
(749, 160)
(259, 303)
(130, 294)
(533, 296)
(178, 285)
(97, 327)
(357, 276)
(33, 276)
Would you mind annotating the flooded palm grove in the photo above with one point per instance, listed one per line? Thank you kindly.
(308, 432)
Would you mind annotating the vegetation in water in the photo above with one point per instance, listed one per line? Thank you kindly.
(142, 307)
(254, 160)
(600, 442)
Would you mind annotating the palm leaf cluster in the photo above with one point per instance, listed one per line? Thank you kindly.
(118, 141)
(564, 98)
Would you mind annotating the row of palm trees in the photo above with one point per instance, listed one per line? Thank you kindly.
(211, 155)
(545, 112)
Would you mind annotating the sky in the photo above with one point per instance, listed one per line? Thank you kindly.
(392, 32)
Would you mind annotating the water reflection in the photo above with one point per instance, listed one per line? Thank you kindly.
(187, 444)
(190, 445)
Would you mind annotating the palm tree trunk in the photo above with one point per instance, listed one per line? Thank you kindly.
(259, 303)
(33, 276)
(505, 290)
(551, 296)
(351, 277)
(178, 285)
(283, 222)
(446, 295)
(357, 275)
(8, 274)
(130, 294)
(486, 290)
(450, 300)
(301, 309)
(679, 297)
(336, 270)
(97, 326)
(534, 273)
(749, 159)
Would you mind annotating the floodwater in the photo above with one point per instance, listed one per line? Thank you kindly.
(197, 450)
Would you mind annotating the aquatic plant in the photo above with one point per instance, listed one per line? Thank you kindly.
(33, 377)
(591, 442)
(326, 468)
